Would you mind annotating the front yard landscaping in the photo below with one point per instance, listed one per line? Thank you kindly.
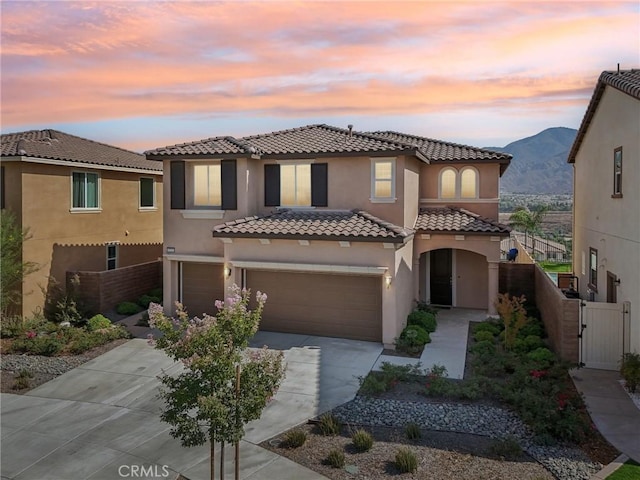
(516, 414)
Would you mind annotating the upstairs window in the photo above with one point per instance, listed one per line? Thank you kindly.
(383, 180)
(85, 191)
(207, 185)
(617, 173)
(295, 185)
(458, 185)
(147, 192)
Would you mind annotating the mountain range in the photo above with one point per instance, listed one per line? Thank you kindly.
(539, 163)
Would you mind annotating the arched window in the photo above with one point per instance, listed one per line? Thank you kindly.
(448, 183)
(469, 183)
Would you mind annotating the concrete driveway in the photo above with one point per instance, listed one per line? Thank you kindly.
(101, 420)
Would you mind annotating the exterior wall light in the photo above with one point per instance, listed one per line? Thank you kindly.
(227, 271)
(387, 280)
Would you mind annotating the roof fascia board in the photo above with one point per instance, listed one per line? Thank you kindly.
(69, 163)
(311, 267)
(199, 156)
(292, 236)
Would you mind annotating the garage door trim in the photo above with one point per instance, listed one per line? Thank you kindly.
(311, 268)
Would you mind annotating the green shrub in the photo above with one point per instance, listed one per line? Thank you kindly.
(630, 371)
(128, 308)
(415, 336)
(362, 440)
(80, 341)
(400, 373)
(483, 348)
(335, 458)
(528, 344)
(145, 300)
(22, 380)
(47, 345)
(295, 438)
(12, 326)
(533, 326)
(488, 326)
(156, 292)
(413, 431)
(373, 384)
(329, 425)
(542, 356)
(483, 336)
(97, 322)
(426, 307)
(406, 460)
(506, 448)
(424, 319)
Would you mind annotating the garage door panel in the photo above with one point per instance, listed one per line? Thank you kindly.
(345, 306)
(202, 285)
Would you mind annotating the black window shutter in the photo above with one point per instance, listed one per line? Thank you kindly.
(272, 185)
(319, 185)
(177, 185)
(229, 185)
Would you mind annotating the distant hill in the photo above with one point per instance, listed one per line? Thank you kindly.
(539, 163)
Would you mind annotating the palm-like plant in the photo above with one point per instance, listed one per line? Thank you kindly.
(528, 221)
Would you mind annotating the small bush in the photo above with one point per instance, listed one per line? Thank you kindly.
(630, 371)
(22, 380)
(506, 448)
(484, 348)
(483, 336)
(424, 319)
(542, 356)
(528, 344)
(128, 308)
(11, 327)
(373, 384)
(98, 322)
(47, 345)
(145, 300)
(532, 327)
(156, 292)
(329, 425)
(413, 431)
(335, 458)
(412, 337)
(406, 460)
(492, 327)
(295, 438)
(426, 307)
(362, 440)
(400, 373)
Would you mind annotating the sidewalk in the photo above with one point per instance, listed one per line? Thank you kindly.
(612, 411)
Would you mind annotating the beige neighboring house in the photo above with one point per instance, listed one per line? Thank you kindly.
(606, 216)
(343, 230)
(88, 206)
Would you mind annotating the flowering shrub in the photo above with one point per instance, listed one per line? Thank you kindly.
(204, 403)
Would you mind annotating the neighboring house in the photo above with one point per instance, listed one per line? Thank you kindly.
(606, 212)
(343, 230)
(88, 206)
(543, 249)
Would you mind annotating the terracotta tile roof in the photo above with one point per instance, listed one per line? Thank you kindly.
(56, 145)
(308, 141)
(439, 151)
(456, 220)
(355, 225)
(626, 81)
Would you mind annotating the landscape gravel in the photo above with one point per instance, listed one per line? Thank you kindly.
(41, 364)
(565, 463)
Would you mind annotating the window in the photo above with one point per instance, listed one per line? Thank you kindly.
(295, 185)
(147, 192)
(85, 190)
(469, 183)
(383, 180)
(207, 185)
(593, 269)
(617, 173)
(448, 183)
(112, 256)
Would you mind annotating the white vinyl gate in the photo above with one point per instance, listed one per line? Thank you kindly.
(602, 329)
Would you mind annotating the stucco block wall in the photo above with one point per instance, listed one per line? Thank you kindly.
(103, 291)
(518, 279)
(610, 225)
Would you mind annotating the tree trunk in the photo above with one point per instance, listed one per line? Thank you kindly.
(212, 457)
(221, 460)
(237, 462)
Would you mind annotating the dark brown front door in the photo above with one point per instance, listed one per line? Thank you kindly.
(612, 295)
(440, 276)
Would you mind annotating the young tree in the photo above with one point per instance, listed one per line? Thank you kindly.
(529, 221)
(224, 384)
(13, 269)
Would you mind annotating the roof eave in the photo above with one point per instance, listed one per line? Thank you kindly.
(462, 232)
(326, 238)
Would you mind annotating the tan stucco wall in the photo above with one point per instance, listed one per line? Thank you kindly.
(472, 280)
(610, 225)
(13, 187)
(52, 222)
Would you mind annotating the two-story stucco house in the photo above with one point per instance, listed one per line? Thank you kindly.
(88, 206)
(343, 230)
(606, 213)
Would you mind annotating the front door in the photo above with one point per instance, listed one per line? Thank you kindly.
(440, 276)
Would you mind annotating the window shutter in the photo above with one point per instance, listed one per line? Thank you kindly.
(228, 172)
(177, 185)
(271, 185)
(319, 185)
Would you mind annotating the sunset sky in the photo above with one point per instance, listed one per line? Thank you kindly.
(144, 74)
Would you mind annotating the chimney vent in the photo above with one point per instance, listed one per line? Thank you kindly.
(350, 127)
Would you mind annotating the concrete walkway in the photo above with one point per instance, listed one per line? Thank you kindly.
(448, 345)
(613, 412)
(101, 420)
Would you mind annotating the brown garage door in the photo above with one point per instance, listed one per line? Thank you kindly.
(202, 285)
(344, 306)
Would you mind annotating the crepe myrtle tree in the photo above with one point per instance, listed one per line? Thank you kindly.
(224, 384)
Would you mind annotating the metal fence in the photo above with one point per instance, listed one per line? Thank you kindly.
(539, 248)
